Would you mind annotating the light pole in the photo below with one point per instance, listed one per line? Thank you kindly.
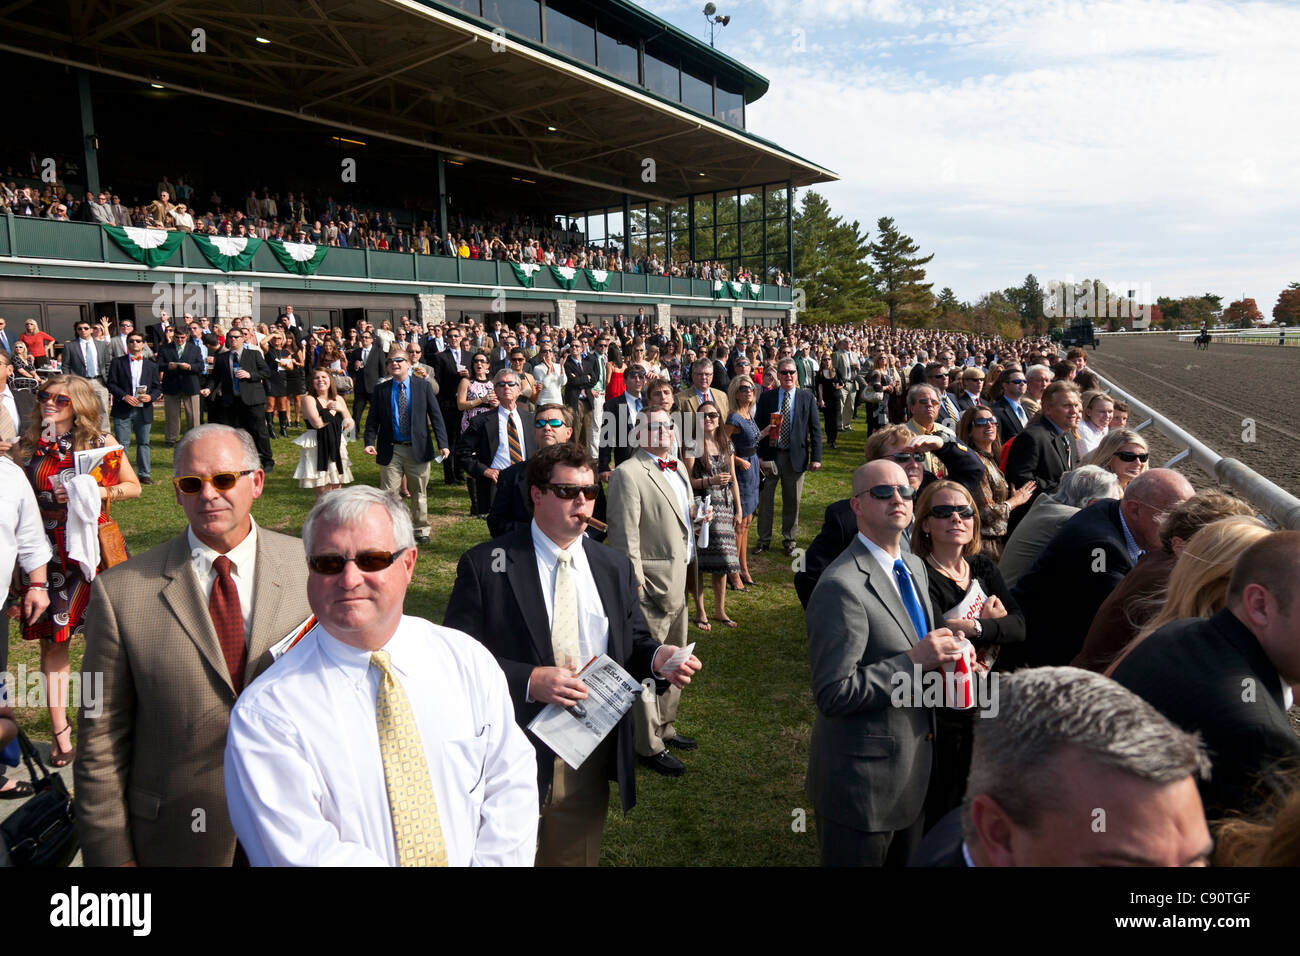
(709, 11)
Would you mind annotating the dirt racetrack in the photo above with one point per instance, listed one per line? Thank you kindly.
(1210, 394)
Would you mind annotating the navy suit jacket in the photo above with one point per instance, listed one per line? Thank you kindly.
(179, 381)
(1008, 421)
(507, 613)
(805, 428)
(428, 433)
(119, 385)
(1063, 590)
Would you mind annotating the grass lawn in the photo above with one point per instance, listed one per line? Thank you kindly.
(751, 707)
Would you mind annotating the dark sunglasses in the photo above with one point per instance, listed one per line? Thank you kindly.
(1132, 455)
(60, 401)
(553, 422)
(903, 457)
(712, 416)
(885, 492)
(223, 481)
(569, 492)
(966, 512)
(369, 561)
(984, 422)
(504, 384)
(1017, 381)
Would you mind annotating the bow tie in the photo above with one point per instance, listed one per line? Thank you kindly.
(666, 464)
(137, 358)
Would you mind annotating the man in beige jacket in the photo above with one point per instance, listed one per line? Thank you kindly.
(177, 633)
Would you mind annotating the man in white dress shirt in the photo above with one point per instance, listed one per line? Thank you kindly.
(381, 739)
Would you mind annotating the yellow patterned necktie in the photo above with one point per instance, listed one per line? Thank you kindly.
(564, 617)
(416, 828)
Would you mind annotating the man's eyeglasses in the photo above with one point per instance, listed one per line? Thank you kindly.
(222, 481)
(569, 492)
(965, 512)
(885, 492)
(396, 361)
(903, 457)
(368, 561)
(1131, 456)
(552, 422)
(60, 401)
(504, 384)
(785, 371)
(1017, 381)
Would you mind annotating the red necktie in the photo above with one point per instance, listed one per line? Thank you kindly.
(228, 619)
(666, 464)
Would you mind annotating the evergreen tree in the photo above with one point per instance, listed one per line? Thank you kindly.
(899, 272)
(830, 265)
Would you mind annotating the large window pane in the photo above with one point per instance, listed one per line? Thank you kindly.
(617, 54)
(523, 17)
(469, 6)
(681, 239)
(662, 77)
(571, 32)
(697, 93)
(730, 106)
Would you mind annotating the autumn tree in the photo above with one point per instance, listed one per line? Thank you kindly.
(1287, 310)
(1243, 314)
(900, 273)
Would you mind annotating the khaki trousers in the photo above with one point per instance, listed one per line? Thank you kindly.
(417, 475)
(173, 405)
(573, 816)
(653, 714)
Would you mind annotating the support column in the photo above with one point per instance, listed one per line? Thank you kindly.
(738, 316)
(627, 226)
(789, 232)
(89, 141)
(443, 226)
(566, 313)
(431, 308)
(663, 316)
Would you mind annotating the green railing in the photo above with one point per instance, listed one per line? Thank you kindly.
(26, 237)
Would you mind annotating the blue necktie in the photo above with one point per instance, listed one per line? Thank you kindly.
(908, 593)
(234, 370)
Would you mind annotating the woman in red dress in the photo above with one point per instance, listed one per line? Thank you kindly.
(616, 385)
(68, 423)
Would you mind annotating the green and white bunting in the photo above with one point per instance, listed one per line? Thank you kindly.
(756, 290)
(228, 253)
(564, 275)
(303, 258)
(152, 247)
(524, 273)
(598, 279)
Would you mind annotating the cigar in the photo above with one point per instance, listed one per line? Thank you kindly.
(595, 523)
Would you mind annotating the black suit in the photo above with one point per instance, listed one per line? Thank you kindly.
(243, 401)
(364, 379)
(507, 613)
(511, 509)
(1008, 421)
(445, 367)
(942, 846)
(179, 381)
(476, 448)
(1041, 453)
(428, 432)
(1061, 593)
(618, 412)
(1212, 676)
(580, 375)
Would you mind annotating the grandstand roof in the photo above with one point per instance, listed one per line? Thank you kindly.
(420, 74)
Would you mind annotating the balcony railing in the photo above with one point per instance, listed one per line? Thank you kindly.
(26, 237)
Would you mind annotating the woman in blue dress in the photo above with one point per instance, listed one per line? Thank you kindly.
(743, 432)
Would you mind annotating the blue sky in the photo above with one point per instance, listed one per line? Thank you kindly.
(1152, 144)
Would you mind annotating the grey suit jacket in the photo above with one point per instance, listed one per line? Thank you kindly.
(74, 360)
(153, 757)
(1027, 542)
(869, 763)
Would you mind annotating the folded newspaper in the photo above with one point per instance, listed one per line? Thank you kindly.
(574, 732)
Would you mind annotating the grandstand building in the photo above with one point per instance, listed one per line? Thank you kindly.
(594, 122)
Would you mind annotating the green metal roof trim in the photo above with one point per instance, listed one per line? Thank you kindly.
(650, 27)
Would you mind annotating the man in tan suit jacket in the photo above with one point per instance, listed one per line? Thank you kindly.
(149, 782)
(689, 398)
(648, 512)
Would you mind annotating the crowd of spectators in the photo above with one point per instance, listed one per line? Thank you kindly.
(322, 220)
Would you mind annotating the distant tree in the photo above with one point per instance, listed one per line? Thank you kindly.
(900, 273)
(1030, 304)
(830, 265)
(1243, 314)
(1287, 310)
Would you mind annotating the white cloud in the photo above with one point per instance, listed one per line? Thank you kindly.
(1151, 140)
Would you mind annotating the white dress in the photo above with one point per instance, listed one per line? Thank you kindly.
(551, 386)
(307, 474)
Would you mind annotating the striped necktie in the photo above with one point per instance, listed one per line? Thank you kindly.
(417, 831)
(784, 441)
(512, 435)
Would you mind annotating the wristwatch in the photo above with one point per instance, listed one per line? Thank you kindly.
(979, 628)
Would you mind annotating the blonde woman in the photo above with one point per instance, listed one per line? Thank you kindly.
(1123, 452)
(1198, 585)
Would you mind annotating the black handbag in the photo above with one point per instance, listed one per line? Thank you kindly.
(42, 832)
